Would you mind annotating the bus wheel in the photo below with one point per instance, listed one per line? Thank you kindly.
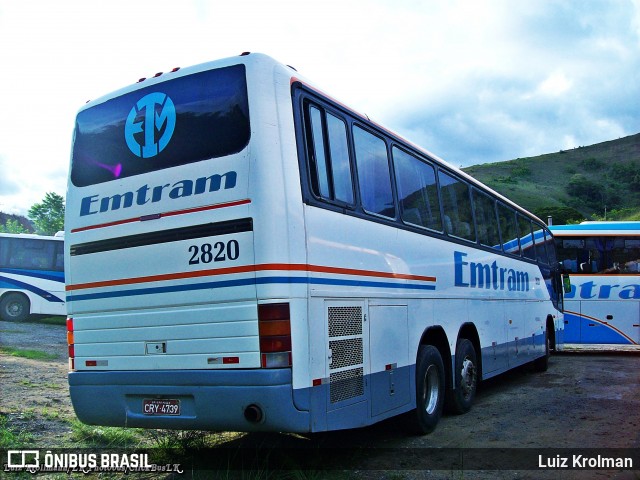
(14, 306)
(429, 388)
(542, 364)
(460, 399)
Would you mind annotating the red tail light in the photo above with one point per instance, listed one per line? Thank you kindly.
(71, 343)
(274, 325)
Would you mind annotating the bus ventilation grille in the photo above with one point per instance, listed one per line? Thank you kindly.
(346, 367)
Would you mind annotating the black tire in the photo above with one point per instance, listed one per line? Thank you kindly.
(465, 376)
(14, 307)
(542, 364)
(430, 388)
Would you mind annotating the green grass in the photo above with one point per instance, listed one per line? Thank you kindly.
(9, 438)
(27, 353)
(105, 437)
(57, 320)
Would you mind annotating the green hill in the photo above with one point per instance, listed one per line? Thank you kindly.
(20, 222)
(582, 183)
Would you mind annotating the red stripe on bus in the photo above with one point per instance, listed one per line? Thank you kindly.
(248, 269)
(161, 215)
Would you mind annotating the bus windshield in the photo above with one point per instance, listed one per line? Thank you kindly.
(599, 254)
(205, 115)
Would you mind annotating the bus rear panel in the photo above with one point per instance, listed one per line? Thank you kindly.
(164, 320)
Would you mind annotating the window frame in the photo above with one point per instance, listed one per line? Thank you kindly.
(390, 171)
(471, 223)
(493, 202)
(400, 202)
(308, 104)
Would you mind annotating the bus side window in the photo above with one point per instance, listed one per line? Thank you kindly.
(542, 255)
(551, 247)
(374, 177)
(340, 163)
(417, 191)
(456, 204)
(318, 159)
(59, 257)
(329, 157)
(4, 252)
(526, 238)
(508, 229)
(486, 220)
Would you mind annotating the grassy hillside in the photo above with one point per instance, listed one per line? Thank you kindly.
(572, 184)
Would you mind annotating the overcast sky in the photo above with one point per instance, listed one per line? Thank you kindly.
(472, 81)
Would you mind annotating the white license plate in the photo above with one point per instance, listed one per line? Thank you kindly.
(157, 406)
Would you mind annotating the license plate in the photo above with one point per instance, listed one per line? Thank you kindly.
(157, 406)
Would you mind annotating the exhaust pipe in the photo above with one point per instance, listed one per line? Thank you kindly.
(253, 414)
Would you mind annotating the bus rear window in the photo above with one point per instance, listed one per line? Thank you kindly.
(189, 119)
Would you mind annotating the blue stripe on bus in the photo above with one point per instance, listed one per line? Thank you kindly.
(11, 283)
(609, 227)
(48, 275)
(583, 329)
(245, 282)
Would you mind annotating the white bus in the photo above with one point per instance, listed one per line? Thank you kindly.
(604, 303)
(246, 253)
(31, 276)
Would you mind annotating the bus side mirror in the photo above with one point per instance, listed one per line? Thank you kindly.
(566, 283)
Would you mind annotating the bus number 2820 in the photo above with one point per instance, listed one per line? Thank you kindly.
(218, 252)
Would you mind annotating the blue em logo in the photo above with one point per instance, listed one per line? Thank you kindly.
(157, 111)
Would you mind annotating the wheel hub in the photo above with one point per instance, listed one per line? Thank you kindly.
(468, 376)
(14, 309)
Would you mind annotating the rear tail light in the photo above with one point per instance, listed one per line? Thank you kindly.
(71, 343)
(274, 324)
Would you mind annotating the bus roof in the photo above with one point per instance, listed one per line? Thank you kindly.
(31, 236)
(596, 228)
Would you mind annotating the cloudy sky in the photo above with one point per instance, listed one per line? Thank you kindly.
(473, 81)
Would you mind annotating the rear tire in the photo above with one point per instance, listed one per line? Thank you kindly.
(430, 388)
(542, 364)
(14, 307)
(465, 375)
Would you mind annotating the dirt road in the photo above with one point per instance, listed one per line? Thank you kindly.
(582, 401)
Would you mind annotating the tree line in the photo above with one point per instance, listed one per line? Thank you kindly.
(47, 217)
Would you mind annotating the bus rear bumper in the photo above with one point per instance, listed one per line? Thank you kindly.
(236, 400)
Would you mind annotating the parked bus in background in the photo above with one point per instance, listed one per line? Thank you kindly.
(246, 253)
(31, 276)
(602, 259)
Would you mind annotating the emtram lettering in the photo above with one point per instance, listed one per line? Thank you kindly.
(590, 290)
(116, 201)
(182, 188)
(630, 292)
(488, 275)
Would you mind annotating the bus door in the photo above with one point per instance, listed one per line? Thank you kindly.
(493, 334)
(388, 357)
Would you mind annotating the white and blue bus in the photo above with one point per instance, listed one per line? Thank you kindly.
(31, 276)
(604, 303)
(246, 253)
